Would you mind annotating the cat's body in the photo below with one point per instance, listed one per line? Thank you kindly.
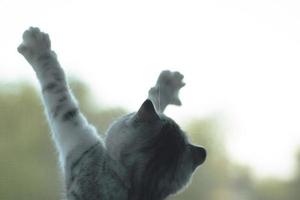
(145, 155)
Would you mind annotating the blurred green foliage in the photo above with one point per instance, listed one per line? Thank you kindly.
(29, 170)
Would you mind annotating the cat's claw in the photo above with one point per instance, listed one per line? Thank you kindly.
(34, 43)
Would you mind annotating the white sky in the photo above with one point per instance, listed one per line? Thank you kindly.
(239, 58)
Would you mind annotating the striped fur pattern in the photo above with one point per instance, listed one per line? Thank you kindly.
(145, 155)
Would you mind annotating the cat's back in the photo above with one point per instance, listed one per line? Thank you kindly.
(92, 175)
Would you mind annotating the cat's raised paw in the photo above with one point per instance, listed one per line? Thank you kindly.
(171, 80)
(170, 83)
(166, 90)
(34, 43)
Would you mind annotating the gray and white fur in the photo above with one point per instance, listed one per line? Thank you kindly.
(144, 155)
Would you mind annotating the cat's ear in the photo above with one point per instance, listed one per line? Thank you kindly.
(198, 155)
(146, 112)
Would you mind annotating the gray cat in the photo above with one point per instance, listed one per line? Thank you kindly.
(145, 155)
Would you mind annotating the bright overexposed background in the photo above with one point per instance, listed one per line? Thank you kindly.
(240, 60)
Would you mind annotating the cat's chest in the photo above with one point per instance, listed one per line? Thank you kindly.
(93, 178)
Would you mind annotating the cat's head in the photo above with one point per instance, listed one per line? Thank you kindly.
(156, 152)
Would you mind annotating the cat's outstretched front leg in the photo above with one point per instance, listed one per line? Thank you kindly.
(166, 90)
(69, 127)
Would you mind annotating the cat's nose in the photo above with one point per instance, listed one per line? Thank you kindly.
(199, 155)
